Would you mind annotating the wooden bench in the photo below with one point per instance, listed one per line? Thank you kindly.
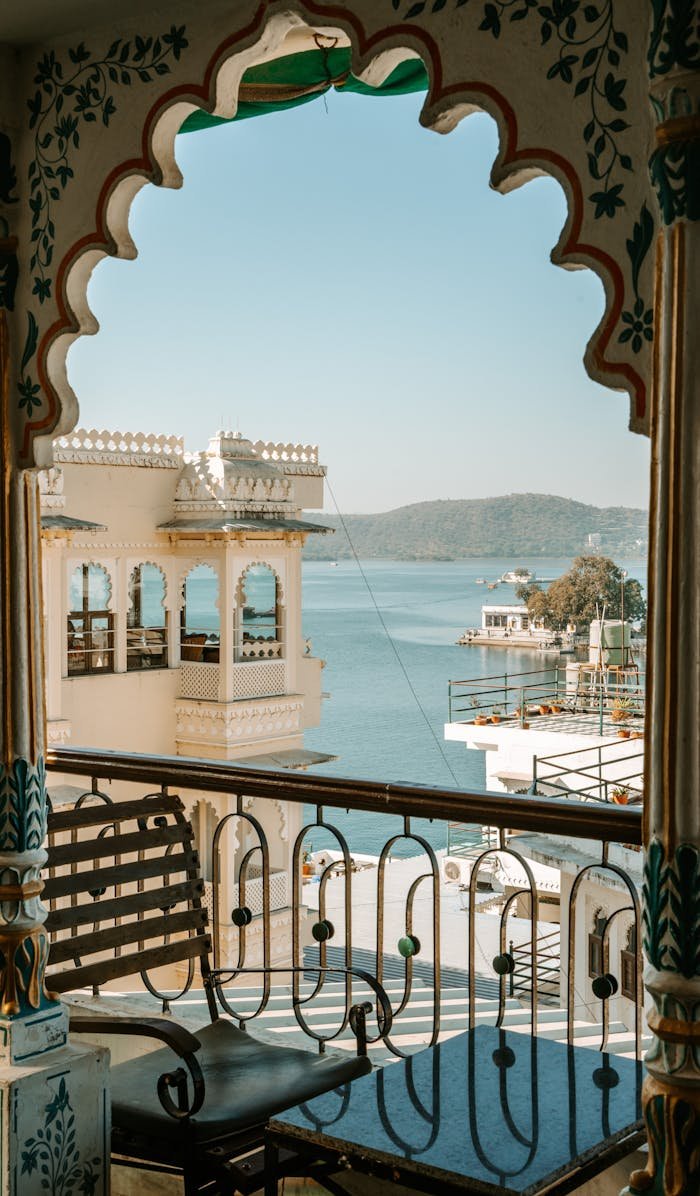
(124, 893)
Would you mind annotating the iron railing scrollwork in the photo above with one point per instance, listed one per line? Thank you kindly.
(504, 814)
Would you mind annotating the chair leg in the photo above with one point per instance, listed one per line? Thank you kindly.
(271, 1168)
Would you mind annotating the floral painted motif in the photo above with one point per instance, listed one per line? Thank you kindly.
(672, 909)
(22, 806)
(67, 97)
(53, 1152)
(589, 54)
(674, 166)
(675, 40)
(639, 322)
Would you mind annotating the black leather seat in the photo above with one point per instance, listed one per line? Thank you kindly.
(247, 1081)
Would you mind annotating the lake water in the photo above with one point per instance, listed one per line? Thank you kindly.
(372, 720)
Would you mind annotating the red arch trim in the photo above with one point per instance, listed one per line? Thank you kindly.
(99, 237)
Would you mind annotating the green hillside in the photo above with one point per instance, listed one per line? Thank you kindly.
(516, 525)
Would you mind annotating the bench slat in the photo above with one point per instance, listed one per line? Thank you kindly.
(118, 811)
(118, 907)
(107, 878)
(127, 933)
(116, 845)
(129, 965)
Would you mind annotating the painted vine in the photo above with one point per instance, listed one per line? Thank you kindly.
(672, 909)
(22, 806)
(53, 1152)
(68, 97)
(589, 56)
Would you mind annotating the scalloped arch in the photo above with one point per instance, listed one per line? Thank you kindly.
(373, 58)
(78, 564)
(238, 584)
(154, 565)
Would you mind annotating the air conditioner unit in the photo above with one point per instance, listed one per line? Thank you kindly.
(457, 869)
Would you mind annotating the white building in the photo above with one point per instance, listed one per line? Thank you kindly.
(172, 608)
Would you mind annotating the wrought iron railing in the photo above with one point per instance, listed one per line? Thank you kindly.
(605, 772)
(611, 695)
(578, 826)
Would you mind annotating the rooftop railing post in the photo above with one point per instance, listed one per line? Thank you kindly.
(671, 1093)
(33, 1022)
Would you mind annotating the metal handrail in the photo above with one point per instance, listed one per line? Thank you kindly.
(551, 815)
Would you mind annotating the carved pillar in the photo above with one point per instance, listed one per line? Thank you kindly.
(25, 1006)
(672, 873)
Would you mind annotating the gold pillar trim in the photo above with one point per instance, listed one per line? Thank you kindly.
(23, 892)
(672, 1029)
(680, 1162)
(670, 730)
(22, 970)
(678, 128)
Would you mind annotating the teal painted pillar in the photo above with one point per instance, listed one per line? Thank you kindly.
(672, 800)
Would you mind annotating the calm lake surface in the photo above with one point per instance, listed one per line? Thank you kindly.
(371, 720)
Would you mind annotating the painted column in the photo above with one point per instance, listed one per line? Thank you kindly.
(672, 808)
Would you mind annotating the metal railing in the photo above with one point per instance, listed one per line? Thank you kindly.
(506, 814)
(600, 773)
(547, 952)
(607, 693)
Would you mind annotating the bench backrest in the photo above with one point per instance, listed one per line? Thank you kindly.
(124, 892)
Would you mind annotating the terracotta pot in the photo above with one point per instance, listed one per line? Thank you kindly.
(623, 734)
(544, 709)
(620, 799)
(480, 721)
(555, 709)
(495, 718)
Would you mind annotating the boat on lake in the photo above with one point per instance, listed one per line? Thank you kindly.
(517, 577)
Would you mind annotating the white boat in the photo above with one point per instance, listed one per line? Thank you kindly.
(518, 577)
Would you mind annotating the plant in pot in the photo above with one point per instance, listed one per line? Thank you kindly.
(622, 710)
(496, 714)
(545, 708)
(620, 795)
(307, 867)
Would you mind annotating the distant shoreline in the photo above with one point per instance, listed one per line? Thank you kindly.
(514, 527)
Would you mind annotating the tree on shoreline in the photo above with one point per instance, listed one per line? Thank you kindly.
(591, 582)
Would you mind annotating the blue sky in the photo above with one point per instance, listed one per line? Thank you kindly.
(340, 275)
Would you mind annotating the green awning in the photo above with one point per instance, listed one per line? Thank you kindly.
(299, 78)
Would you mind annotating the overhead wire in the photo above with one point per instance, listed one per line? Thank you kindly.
(390, 638)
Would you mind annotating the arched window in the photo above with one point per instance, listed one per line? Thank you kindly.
(199, 617)
(259, 614)
(146, 629)
(90, 622)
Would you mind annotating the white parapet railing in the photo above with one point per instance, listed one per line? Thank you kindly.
(199, 681)
(259, 679)
(261, 649)
(254, 888)
(120, 448)
(302, 454)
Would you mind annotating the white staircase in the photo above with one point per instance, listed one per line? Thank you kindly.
(411, 1030)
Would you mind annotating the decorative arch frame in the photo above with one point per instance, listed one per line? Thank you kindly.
(154, 565)
(469, 60)
(74, 564)
(240, 577)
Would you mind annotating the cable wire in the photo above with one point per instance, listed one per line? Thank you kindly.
(388, 635)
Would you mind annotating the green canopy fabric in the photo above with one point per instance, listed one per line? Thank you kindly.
(299, 78)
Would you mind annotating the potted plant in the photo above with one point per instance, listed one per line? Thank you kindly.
(545, 708)
(307, 867)
(622, 710)
(480, 720)
(496, 714)
(620, 795)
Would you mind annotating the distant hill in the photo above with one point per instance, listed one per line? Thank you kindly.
(514, 525)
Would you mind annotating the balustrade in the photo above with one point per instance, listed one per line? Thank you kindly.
(596, 847)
